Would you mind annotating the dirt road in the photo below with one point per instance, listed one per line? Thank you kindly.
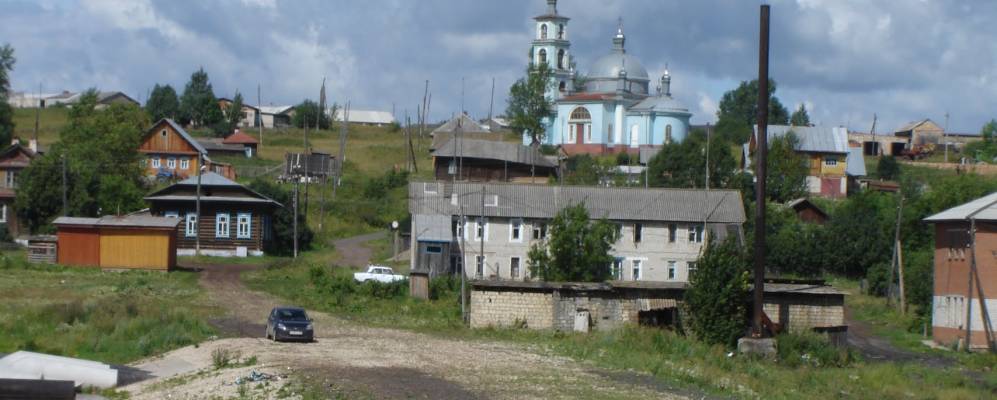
(357, 361)
(354, 252)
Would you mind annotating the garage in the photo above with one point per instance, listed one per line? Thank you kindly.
(112, 242)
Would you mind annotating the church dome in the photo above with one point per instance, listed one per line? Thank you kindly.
(609, 66)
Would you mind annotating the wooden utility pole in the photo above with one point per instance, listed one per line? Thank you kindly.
(411, 150)
(259, 114)
(65, 202)
(900, 273)
(342, 149)
(295, 201)
(197, 206)
(491, 101)
(38, 110)
(760, 173)
(896, 252)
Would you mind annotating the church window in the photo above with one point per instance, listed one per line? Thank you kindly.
(668, 134)
(560, 31)
(580, 113)
(543, 31)
(560, 59)
(543, 56)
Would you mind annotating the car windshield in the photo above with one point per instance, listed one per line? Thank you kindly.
(292, 315)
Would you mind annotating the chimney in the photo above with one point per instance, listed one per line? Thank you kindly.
(33, 145)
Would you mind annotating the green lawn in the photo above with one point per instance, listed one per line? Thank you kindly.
(672, 358)
(114, 317)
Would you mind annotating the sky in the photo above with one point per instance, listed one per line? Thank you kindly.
(846, 60)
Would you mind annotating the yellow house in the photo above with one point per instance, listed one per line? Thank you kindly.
(828, 153)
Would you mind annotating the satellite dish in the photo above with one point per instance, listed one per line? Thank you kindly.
(394, 224)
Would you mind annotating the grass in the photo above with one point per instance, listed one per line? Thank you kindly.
(807, 367)
(50, 122)
(113, 317)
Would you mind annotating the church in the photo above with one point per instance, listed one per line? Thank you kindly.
(609, 109)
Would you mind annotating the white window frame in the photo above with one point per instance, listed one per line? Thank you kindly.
(515, 267)
(479, 265)
(190, 225)
(223, 224)
(695, 233)
(691, 269)
(155, 162)
(172, 214)
(616, 269)
(672, 272)
(11, 178)
(171, 163)
(638, 232)
(452, 167)
(830, 161)
(185, 163)
(572, 128)
(539, 230)
(636, 269)
(3, 214)
(244, 226)
(480, 229)
(516, 230)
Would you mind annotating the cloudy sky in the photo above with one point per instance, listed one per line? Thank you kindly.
(845, 59)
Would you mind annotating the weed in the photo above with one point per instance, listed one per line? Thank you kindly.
(223, 357)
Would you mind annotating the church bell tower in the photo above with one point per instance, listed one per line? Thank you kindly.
(550, 46)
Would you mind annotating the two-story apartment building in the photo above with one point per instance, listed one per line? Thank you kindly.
(662, 230)
(965, 236)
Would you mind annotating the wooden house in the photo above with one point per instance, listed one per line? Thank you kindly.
(831, 163)
(13, 160)
(807, 211)
(112, 242)
(250, 116)
(171, 153)
(240, 139)
(492, 161)
(234, 220)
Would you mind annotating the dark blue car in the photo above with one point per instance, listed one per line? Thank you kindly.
(289, 323)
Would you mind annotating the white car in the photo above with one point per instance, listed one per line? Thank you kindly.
(378, 273)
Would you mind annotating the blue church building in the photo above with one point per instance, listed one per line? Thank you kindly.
(610, 109)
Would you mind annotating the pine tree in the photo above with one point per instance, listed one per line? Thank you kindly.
(800, 117)
(198, 105)
(7, 61)
(163, 103)
(234, 112)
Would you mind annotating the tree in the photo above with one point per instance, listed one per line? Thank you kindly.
(305, 113)
(682, 164)
(283, 219)
(7, 61)
(102, 166)
(198, 105)
(984, 150)
(800, 117)
(786, 178)
(718, 294)
(163, 103)
(577, 249)
(988, 130)
(738, 111)
(888, 168)
(583, 169)
(233, 114)
(528, 104)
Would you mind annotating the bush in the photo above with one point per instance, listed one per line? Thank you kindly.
(717, 299)
(888, 168)
(811, 349)
(223, 357)
(444, 287)
(384, 291)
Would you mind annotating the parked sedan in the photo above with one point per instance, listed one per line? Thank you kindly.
(289, 323)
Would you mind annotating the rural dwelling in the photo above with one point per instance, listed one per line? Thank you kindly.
(13, 160)
(113, 242)
(104, 99)
(496, 124)
(581, 307)
(662, 229)
(365, 117)
(461, 123)
(807, 211)
(237, 144)
(488, 161)
(964, 306)
(878, 145)
(234, 220)
(250, 115)
(827, 152)
(312, 166)
(171, 153)
(249, 144)
(276, 116)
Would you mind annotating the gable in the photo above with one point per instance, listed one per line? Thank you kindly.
(15, 157)
(164, 138)
(928, 126)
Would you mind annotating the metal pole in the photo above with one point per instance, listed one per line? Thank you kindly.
(760, 175)
(197, 205)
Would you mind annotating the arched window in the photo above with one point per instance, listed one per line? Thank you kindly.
(668, 134)
(580, 113)
(560, 31)
(543, 31)
(560, 59)
(543, 56)
(562, 86)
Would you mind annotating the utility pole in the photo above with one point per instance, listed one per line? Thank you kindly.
(197, 205)
(296, 183)
(491, 101)
(945, 136)
(259, 113)
(342, 149)
(896, 252)
(65, 202)
(481, 240)
(760, 173)
(462, 221)
(38, 110)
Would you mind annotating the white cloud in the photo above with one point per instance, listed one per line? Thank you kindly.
(485, 45)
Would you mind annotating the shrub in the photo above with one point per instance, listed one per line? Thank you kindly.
(223, 357)
(380, 290)
(444, 287)
(811, 349)
(717, 299)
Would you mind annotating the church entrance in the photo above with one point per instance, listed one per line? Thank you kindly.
(580, 124)
(579, 133)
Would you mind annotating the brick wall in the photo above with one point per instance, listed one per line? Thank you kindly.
(799, 314)
(507, 308)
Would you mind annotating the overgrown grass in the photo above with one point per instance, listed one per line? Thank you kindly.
(807, 366)
(113, 317)
(50, 122)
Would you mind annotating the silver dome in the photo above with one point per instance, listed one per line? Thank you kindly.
(609, 67)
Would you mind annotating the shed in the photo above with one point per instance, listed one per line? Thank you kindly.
(133, 242)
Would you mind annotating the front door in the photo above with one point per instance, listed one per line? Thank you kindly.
(579, 133)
